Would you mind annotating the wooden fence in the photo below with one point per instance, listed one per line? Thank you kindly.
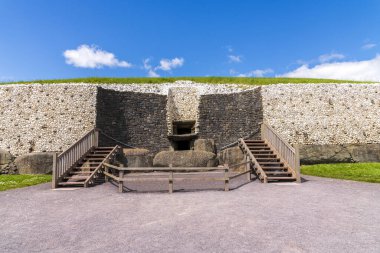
(63, 162)
(171, 174)
(287, 153)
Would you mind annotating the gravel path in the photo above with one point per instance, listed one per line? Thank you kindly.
(320, 215)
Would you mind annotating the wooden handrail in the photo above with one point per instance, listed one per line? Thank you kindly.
(113, 151)
(163, 168)
(169, 171)
(63, 162)
(259, 170)
(288, 154)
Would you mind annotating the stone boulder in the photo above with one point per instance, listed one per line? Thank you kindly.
(186, 158)
(345, 153)
(137, 157)
(232, 156)
(6, 163)
(35, 163)
(204, 145)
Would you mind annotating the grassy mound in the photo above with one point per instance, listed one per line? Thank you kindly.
(211, 80)
(8, 182)
(365, 172)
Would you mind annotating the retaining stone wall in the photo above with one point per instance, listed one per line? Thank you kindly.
(138, 119)
(227, 117)
(324, 113)
(45, 117)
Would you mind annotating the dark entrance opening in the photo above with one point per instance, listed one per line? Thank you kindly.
(183, 145)
(183, 127)
(183, 135)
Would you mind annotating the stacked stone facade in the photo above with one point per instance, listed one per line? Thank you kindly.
(45, 117)
(324, 113)
(51, 117)
(227, 117)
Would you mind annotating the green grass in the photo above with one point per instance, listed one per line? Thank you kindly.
(8, 182)
(365, 172)
(212, 80)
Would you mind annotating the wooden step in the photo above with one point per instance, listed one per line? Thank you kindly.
(70, 183)
(91, 167)
(277, 173)
(266, 155)
(274, 168)
(80, 173)
(90, 164)
(256, 144)
(76, 177)
(281, 178)
(272, 163)
(93, 159)
(267, 159)
(104, 148)
(254, 141)
(97, 155)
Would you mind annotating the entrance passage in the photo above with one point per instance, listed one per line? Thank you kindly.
(183, 127)
(183, 145)
(183, 135)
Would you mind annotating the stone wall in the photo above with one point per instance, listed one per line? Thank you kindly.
(324, 113)
(45, 117)
(227, 117)
(182, 105)
(138, 119)
(38, 118)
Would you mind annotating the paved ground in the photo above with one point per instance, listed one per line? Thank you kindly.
(320, 215)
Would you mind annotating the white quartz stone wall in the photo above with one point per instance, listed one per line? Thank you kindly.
(45, 117)
(183, 103)
(324, 113)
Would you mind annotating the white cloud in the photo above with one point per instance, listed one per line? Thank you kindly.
(167, 64)
(152, 73)
(256, 73)
(147, 66)
(86, 56)
(368, 70)
(330, 57)
(368, 46)
(234, 58)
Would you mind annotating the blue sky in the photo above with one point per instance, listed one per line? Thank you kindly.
(70, 38)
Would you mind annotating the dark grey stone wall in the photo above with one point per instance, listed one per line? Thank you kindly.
(227, 117)
(138, 119)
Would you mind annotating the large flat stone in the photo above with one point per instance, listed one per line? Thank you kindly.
(232, 156)
(186, 158)
(313, 154)
(35, 163)
(204, 145)
(6, 163)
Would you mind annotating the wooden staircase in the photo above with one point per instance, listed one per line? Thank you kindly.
(272, 158)
(273, 168)
(87, 171)
(82, 163)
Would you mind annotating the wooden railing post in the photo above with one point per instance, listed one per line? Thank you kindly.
(171, 179)
(96, 135)
(226, 178)
(121, 175)
(106, 169)
(54, 180)
(248, 167)
(297, 163)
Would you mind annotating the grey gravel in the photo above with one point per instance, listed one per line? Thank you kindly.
(320, 215)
